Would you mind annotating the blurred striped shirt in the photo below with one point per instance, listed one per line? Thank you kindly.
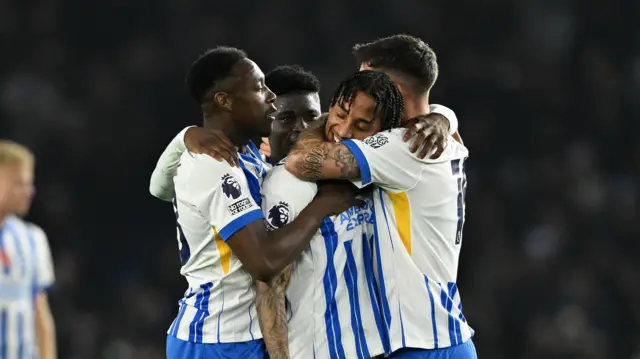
(26, 268)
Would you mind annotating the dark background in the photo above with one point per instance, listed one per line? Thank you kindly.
(547, 93)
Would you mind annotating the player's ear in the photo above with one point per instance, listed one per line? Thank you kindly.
(223, 100)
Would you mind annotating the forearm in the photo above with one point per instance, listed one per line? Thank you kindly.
(272, 315)
(285, 244)
(161, 184)
(46, 335)
(314, 159)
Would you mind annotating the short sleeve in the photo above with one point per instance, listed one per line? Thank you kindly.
(45, 277)
(161, 183)
(448, 114)
(385, 160)
(281, 207)
(220, 192)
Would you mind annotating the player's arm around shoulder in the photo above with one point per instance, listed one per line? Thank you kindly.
(313, 158)
(221, 193)
(45, 324)
(386, 160)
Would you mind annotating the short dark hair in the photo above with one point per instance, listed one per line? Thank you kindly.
(404, 54)
(388, 99)
(211, 67)
(288, 79)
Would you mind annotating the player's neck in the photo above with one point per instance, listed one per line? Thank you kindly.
(227, 126)
(416, 107)
(3, 218)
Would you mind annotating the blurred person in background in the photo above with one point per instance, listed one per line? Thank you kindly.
(419, 207)
(221, 235)
(27, 328)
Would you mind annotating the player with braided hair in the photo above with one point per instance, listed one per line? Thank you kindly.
(381, 90)
(419, 207)
(364, 104)
(330, 288)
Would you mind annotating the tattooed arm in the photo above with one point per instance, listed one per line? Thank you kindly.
(272, 314)
(312, 158)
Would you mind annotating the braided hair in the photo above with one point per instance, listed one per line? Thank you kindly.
(389, 102)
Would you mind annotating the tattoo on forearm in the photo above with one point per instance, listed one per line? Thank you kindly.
(272, 315)
(319, 159)
(346, 161)
(311, 165)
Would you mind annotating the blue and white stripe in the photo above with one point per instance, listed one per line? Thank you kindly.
(26, 271)
(219, 305)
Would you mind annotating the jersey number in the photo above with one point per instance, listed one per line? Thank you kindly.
(183, 246)
(458, 171)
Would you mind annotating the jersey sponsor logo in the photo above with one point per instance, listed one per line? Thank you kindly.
(240, 206)
(376, 141)
(356, 216)
(279, 215)
(230, 187)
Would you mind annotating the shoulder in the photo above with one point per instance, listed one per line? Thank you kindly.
(452, 151)
(199, 171)
(35, 229)
(36, 233)
(284, 196)
(280, 180)
(20, 225)
(386, 139)
(202, 164)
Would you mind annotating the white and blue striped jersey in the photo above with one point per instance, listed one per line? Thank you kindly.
(26, 269)
(212, 202)
(331, 295)
(419, 213)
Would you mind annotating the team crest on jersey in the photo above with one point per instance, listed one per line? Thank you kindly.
(376, 141)
(230, 187)
(279, 215)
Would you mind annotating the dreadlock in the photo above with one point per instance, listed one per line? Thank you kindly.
(388, 99)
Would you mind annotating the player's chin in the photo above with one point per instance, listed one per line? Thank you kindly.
(23, 210)
(265, 130)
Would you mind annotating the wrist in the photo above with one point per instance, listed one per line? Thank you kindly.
(319, 209)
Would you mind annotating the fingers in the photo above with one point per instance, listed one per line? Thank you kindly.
(225, 155)
(440, 145)
(420, 139)
(265, 148)
(413, 127)
(221, 140)
(220, 148)
(427, 146)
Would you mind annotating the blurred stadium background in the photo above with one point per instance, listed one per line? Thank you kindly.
(548, 97)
